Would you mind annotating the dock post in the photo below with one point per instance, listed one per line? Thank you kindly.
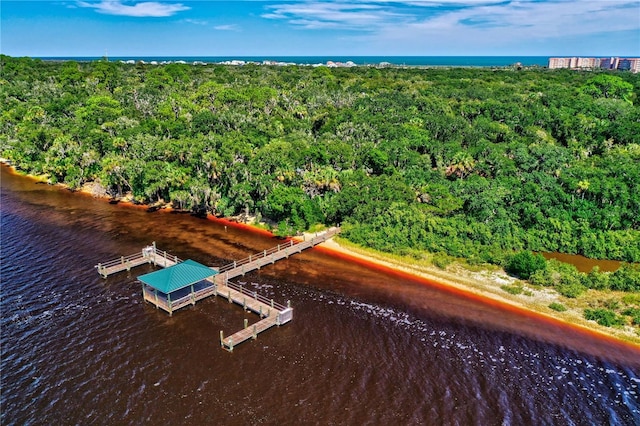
(255, 295)
(128, 265)
(229, 296)
(255, 333)
(246, 323)
(289, 304)
(221, 338)
(260, 311)
(278, 247)
(244, 303)
(249, 258)
(271, 303)
(265, 253)
(231, 344)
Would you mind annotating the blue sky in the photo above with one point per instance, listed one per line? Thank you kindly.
(320, 27)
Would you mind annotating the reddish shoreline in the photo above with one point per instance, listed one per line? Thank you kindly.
(519, 310)
(375, 264)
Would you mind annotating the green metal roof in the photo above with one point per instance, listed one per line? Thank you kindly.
(178, 276)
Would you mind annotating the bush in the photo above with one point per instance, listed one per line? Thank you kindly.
(512, 289)
(525, 263)
(559, 307)
(441, 260)
(603, 317)
(571, 290)
(626, 278)
(634, 313)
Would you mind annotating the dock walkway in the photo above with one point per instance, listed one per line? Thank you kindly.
(272, 255)
(219, 284)
(149, 254)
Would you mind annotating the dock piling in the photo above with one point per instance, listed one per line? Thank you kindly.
(235, 293)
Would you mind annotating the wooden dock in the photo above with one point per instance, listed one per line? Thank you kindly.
(149, 254)
(270, 313)
(267, 257)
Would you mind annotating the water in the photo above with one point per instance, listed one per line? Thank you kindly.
(365, 347)
(431, 61)
(584, 264)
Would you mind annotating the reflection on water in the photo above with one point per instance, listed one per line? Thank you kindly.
(365, 346)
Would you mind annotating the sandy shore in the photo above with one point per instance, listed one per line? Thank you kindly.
(488, 284)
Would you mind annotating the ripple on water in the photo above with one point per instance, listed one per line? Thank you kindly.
(78, 349)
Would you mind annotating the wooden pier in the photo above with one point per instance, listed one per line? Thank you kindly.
(149, 254)
(270, 313)
(210, 281)
(267, 257)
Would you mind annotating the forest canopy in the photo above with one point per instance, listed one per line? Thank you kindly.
(474, 163)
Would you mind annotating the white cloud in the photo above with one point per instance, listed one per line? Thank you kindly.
(150, 9)
(429, 24)
(196, 21)
(338, 15)
(525, 18)
(227, 27)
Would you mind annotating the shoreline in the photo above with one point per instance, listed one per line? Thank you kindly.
(483, 284)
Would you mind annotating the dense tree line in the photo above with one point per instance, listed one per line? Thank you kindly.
(474, 163)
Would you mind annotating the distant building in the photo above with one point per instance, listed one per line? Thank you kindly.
(629, 64)
(555, 63)
(588, 63)
(612, 63)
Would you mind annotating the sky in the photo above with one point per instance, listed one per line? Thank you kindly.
(320, 27)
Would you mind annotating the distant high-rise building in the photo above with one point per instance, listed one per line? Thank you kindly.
(611, 63)
(555, 63)
(629, 64)
(587, 63)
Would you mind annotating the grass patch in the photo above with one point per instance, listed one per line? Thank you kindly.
(558, 307)
(318, 227)
(441, 260)
(512, 289)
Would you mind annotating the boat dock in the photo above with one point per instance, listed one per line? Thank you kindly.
(149, 254)
(183, 283)
(267, 257)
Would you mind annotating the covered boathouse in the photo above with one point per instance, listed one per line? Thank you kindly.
(179, 285)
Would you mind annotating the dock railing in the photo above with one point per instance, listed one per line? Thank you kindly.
(254, 295)
(123, 260)
(305, 243)
(149, 254)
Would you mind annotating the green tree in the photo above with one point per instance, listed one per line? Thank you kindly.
(525, 263)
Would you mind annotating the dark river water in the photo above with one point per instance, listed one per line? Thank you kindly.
(366, 346)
